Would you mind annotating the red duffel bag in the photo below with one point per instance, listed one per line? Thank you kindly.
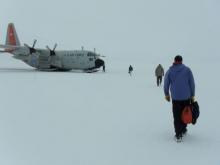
(187, 115)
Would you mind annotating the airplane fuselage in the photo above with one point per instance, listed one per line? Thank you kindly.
(50, 59)
(61, 60)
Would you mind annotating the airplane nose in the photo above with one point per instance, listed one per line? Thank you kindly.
(99, 63)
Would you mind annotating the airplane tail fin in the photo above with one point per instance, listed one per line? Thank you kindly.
(12, 37)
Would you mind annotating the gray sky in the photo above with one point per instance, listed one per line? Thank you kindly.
(118, 28)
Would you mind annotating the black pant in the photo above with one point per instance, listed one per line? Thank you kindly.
(178, 107)
(159, 80)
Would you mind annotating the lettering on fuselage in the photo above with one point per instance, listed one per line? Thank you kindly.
(74, 54)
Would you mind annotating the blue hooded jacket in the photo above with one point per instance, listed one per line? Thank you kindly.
(179, 80)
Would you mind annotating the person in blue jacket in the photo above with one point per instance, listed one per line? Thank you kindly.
(179, 82)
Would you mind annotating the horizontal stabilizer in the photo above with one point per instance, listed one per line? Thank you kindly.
(9, 47)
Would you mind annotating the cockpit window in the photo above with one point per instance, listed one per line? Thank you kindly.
(91, 54)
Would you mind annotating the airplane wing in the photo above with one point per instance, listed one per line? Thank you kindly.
(24, 50)
(43, 52)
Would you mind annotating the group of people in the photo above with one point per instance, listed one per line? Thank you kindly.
(179, 86)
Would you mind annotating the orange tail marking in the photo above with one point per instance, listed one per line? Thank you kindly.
(11, 35)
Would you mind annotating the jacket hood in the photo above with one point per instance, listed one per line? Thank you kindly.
(177, 67)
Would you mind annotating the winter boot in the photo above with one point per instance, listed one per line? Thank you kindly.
(184, 133)
(178, 138)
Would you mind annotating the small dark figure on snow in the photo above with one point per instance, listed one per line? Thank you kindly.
(179, 80)
(130, 69)
(103, 68)
(159, 73)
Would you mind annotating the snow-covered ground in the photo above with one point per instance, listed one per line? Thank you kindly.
(71, 118)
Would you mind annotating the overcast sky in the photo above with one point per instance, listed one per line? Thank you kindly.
(118, 28)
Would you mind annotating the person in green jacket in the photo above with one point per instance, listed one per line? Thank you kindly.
(159, 73)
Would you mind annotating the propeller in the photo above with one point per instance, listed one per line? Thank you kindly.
(31, 49)
(52, 52)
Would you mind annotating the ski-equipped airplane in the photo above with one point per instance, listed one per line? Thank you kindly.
(51, 59)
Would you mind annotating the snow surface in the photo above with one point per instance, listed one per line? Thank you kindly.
(72, 118)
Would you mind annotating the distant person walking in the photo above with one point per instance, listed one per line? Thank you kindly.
(103, 68)
(179, 80)
(159, 73)
(130, 70)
